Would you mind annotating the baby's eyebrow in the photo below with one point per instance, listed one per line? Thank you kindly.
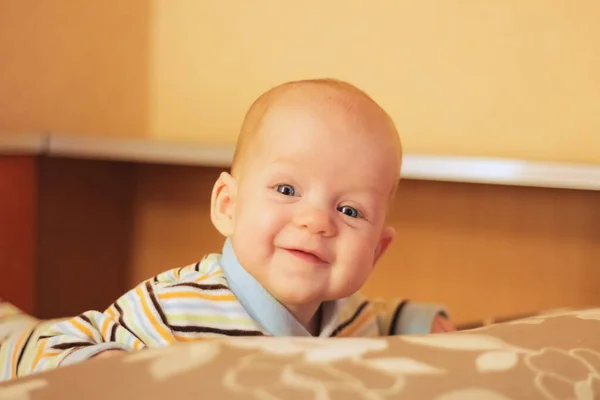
(368, 189)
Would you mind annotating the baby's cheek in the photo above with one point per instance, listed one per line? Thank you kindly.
(358, 254)
(258, 225)
(360, 243)
(352, 272)
(365, 256)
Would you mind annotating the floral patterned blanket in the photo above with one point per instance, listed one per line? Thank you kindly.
(548, 356)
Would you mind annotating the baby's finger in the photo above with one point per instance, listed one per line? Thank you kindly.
(446, 325)
(437, 327)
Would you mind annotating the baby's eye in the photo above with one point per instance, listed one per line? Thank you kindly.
(349, 211)
(286, 190)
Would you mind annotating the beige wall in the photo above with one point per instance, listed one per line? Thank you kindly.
(494, 78)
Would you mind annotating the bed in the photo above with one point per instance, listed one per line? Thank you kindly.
(551, 355)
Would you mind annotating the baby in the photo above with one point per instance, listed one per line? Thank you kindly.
(303, 214)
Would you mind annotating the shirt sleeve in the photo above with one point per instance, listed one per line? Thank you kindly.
(135, 321)
(403, 317)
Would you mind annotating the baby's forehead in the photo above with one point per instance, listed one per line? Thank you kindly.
(355, 164)
(338, 111)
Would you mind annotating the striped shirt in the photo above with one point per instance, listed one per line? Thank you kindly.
(19, 333)
(215, 297)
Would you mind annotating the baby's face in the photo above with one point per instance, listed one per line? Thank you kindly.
(311, 203)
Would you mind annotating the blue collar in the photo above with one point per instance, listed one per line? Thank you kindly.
(262, 307)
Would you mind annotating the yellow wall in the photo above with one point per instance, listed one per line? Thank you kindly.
(77, 67)
(497, 78)
(463, 77)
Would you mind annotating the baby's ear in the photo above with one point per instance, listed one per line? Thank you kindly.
(387, 237)
(222, 204)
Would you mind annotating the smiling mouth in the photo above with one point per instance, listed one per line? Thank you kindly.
(306, 256)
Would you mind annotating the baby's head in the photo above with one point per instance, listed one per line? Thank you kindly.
(315, 168)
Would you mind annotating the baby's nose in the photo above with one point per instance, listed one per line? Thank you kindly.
(316, 220)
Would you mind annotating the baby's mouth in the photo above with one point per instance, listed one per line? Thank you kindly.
(306, 256)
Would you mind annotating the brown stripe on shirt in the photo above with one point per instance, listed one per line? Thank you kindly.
(70, 345)
(113, 333)
(156, 304)
(348, 322)
(205, 286)
(24, 346)
(207, 329)
(396, 317)
(122, 321)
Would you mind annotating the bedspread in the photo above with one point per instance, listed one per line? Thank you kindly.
(553, 355)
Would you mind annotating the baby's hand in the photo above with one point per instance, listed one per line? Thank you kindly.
(441, 324)
(108, 353)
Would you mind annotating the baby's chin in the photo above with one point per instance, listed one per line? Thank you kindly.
(296, 295)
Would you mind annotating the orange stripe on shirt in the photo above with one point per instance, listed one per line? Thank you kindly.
(208, 276)
(160, 329)
(181, 338)
(40, 354)
(137, 344)
(111, 312)
(104, 329)
(192, 295)
(82, 328)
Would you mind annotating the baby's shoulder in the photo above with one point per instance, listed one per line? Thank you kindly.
(207, 271)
